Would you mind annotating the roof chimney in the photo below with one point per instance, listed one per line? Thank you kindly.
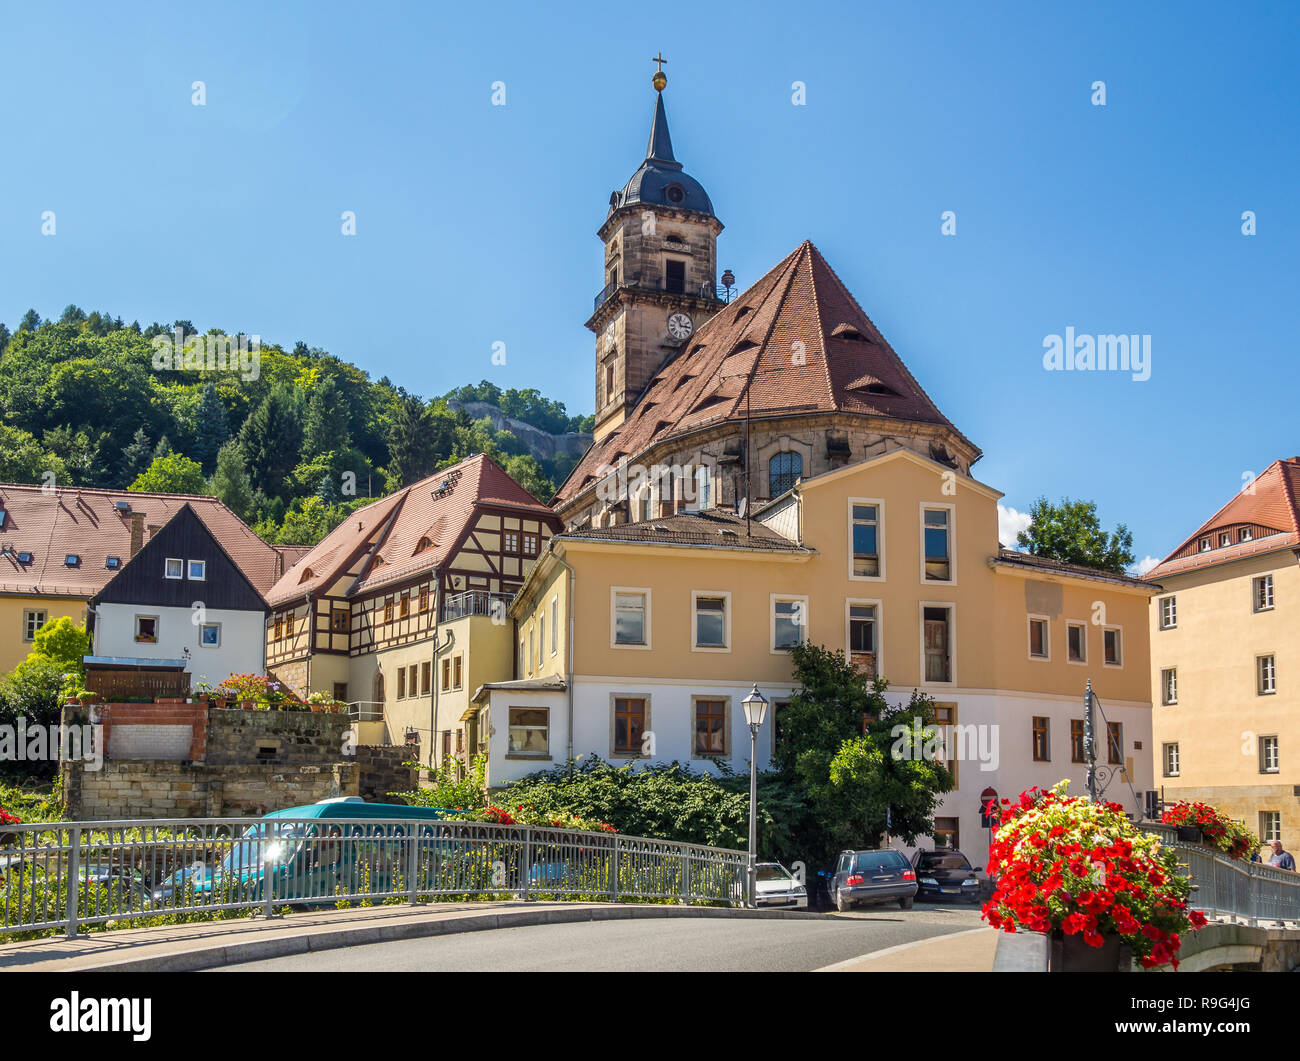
(137, 531)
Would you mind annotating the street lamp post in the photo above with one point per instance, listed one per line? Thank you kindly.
(755, 705)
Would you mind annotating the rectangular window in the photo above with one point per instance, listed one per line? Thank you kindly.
(629, 618)
(404, 608)
(388, 610)
(1038, 643)
(1268, 757)
(426, 677)
(710, 622)
(457, 672)
(555, 624)
(511, 542)
(541, 638)
(789, 621)
(1111, 648)
(411, 679)
(146, 629)
(210, 635)
(945, 717)
(938, 644)
(1076, 640)
(341, 692)
(279, 628)
(531, 635)
(339, 620)
(1263, 593)
(1077, 749)
(446, 745)
(1114, 743)
(629, 725)
(424, 598)
(1225, 540)
(530, 544)
(1042, 742)
(1170, 758)
(446, 675)
(174, 567)
(947, 834)
(1169, 686)
(938, 558)
(530, 731)
(710, 727)
(1270, 825)
(198, 570)
(33, 620)
(1267, 671)
(703, 487)
(1244, 535)
(1168, 613)
(866, 541)
(862, 630)
(401, 683)
(1205, 545)
(674, 276)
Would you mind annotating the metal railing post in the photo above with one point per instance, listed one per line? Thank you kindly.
(686, 876)
(413, 865)
(613, 873)
(268, 873)
(526, 863)
(74, 881)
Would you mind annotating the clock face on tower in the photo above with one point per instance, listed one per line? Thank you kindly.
(680, 326)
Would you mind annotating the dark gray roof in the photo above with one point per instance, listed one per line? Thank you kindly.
(712, 528)
(1050, 566)
(660, 180)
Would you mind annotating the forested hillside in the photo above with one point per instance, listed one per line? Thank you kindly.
(292, 440)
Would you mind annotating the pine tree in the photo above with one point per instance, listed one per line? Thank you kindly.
(230, 482)
(414, 444)
(271, 439)
(211, 429)
(135, 458)
(325, 426)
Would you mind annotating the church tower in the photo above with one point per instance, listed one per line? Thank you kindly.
(660, 274)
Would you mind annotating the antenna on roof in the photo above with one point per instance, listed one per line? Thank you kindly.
(744, 507)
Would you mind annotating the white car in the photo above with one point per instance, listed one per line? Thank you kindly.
(776, 886)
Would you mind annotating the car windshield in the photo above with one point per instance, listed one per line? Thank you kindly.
(943, 860)
(877, 861)
(769, 873)
(248, 851)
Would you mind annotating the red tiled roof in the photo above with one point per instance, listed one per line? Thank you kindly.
(85, 522)
(1269, 508)
(796, 341)
(418, 526)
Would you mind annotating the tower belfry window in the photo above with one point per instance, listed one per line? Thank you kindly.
(675, 276)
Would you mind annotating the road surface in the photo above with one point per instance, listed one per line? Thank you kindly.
(686, 945)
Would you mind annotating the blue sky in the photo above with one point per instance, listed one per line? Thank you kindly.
(476, 223)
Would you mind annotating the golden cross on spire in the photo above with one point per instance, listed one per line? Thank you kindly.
(660, 79)
(660, 60)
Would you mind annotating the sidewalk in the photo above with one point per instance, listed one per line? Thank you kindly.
(207, 945)
(968, 951)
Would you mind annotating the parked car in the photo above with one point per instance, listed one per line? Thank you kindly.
(774, 885)
(946, 874)
(873, 876)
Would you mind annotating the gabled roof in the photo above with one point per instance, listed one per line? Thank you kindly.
(1267, 509)
(413, 530)
(795, 342)
(85, 522)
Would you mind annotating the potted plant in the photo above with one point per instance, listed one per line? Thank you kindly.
(1083, 874)
(1198, 822)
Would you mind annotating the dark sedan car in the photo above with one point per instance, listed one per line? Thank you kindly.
(873, 876)
(946, 874)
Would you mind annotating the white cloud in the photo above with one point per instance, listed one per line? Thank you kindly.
(1144, 565)
(1010, 524)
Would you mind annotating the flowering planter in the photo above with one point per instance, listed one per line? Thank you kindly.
(248, 705)
(1189, 834)
(1070, 954)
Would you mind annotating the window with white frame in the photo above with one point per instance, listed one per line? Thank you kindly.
(1268, 757)
(937, 642)
(146, 629)
(1262, 591)
(710, 621)
(1205, 545)
(174, 567)
(1225, 539)
(1076, 642)
(862, 628)
(1169, 685)
(1168, 613)
(1244, 535)
(937, 538)
(1170, 758)
(1270, 825)
(555, 624)
(1112, 648)
(1039, 644)
(529, 731)
(865, 530)
(541, 638)
(198, 570)
(33, 620)
(210, 635)
(703, 486)
(630, 617)
(789, 622)
(1266, 669)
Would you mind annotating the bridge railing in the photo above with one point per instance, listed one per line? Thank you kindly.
(72, 874)
(1227, 888)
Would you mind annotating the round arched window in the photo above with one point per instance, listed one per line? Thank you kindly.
(675, 194)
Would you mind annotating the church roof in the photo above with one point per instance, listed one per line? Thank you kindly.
(1268, 510)
(795, 342)
(660, 179)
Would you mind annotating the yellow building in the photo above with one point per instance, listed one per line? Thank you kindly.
(1225, 652)
(639, 640)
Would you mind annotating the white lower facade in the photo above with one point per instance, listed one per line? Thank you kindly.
(183, 633)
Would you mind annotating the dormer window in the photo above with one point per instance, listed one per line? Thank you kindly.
(72, 560)
(675, 194)
(3, 516)
(1225, 540)
(1205, 545)
(423, 544)
(113, 562)
(1245, 535)
(24, 558)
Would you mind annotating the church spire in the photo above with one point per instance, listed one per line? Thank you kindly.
(660, 147)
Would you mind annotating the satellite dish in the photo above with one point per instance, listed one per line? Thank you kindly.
(744, 504)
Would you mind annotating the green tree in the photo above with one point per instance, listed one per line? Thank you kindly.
(271, 439)
(172, 474)
(61, 641)
(230, 482)
(30, 322)
(211, 428)
(24, 460)
(1072, 533)
(325, 425)
(529, 474)
(136, 457)
(416, 439)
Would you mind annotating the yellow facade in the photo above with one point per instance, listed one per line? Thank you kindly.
(1222, 720)
(14, 612)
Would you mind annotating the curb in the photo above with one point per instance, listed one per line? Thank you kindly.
(198, 957)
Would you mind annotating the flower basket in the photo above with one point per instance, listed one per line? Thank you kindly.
(1190, 834)
(1070, 954)
(1200, 823)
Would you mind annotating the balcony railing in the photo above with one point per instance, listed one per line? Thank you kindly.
(706, 290)
(475, 602)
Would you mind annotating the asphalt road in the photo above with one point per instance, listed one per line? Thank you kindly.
(686, 945)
